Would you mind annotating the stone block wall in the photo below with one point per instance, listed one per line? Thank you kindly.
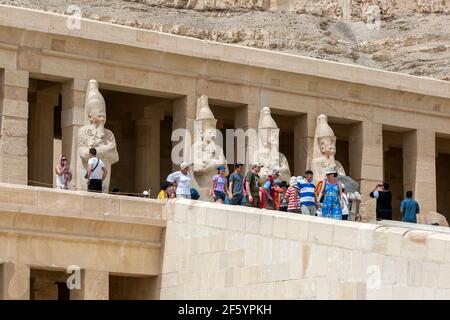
(227, 252)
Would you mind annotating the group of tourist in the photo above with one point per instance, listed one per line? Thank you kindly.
(301, 195)
(328, 198)
(408, 207)
(95, 173)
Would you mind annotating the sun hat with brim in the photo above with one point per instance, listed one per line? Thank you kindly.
(330, 171)
(184, 165)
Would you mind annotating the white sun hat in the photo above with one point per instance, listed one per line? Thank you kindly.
(184, 165)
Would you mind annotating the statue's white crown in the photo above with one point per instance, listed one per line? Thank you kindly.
(94, 99)
(323, 129)
(204, 113)
(265, 119)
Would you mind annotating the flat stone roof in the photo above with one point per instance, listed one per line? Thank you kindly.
(53, 23)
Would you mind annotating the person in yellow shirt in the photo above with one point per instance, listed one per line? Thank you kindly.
(163, 192)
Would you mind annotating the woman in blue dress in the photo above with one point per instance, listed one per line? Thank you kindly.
(332, 196)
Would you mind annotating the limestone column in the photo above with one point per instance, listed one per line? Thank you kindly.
(147, 160)
(14, 126)
(72, 118)
(184, 110)
(14, 281)
(419, 167)
(40, 137)
(304, 131)
(94, 286)
(246, 118)
(366, 162)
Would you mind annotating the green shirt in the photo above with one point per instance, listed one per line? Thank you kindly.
(253, 180)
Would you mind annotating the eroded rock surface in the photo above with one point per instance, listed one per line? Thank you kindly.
(409, 36)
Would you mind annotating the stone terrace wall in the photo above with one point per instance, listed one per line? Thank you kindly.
(225, 252)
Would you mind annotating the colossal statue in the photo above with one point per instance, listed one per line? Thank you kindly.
(269, 157)
(324, 150)
(206, 154)
(95, 135)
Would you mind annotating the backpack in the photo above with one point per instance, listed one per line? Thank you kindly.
(194, 194)
(284, 201)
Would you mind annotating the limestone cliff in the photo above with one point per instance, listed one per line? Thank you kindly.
(410, 36)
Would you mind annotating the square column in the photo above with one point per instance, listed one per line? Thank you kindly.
(366, 163)
(147, 161)
(40, 146)
(14, 281)
(419, 167)
(304, 132)
(72, 118)
(94, 286)
(246, 118)
(14, 126)
(184, 112)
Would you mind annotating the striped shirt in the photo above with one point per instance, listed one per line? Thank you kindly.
(292, 194)
(307, 190)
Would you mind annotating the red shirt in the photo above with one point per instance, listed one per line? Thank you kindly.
(263, 198)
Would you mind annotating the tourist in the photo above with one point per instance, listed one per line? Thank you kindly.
(271, 191)
(267, 201)
(236, 185)
(332, 196)
(163, 194)
(96, 172)
(219, 188)
(384, 201)
(409, 208)
(345, 209)
(181, 180)
(63, 174)
(308, 199)
(171, 191)
(252, 186)
(284, 199)
(262, 198)
(292, 194)
(278, 191)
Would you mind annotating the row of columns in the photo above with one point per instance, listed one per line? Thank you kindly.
(365, 153)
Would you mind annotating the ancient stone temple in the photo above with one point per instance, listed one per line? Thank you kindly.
(58, 84)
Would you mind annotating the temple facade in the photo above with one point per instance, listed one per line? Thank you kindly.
(388, 127)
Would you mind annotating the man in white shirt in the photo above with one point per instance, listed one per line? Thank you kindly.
(96, 171)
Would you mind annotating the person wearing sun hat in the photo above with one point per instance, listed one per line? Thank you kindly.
(219, 185)
(182, 180)
(332, 195)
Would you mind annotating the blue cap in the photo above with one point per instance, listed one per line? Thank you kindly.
(220, 168)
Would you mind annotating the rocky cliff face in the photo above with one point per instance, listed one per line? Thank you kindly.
(410, 36)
